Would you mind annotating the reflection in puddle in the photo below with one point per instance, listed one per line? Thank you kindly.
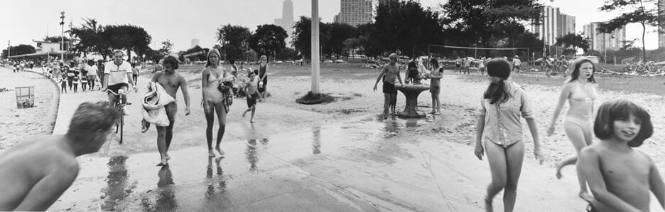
(391, 128)
(252, 157)
(218, 183)
(316, 141)
(165, 191)
(116, 183)
(412, 123)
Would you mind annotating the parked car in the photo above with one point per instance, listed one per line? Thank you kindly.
(339, 61)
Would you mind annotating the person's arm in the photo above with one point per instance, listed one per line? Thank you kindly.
(563, 97)
(130, 78)
(589, 161)
(48, 189)
(205, 74)
(185, 93)
(527, 113)
(480, 127)
(107, 71)
(656, 182)
(264, 74)
(380, 76)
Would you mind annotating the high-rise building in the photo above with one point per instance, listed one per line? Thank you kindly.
(286, 22)
(604, 41)
(554, 25)
(195, 42)
(355, 12)
(387, 1)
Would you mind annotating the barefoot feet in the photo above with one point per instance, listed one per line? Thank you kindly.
(221, 153)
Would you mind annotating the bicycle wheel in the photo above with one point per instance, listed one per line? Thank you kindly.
(122, 124)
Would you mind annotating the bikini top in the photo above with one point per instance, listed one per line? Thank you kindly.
(213, 77)
(578, 93)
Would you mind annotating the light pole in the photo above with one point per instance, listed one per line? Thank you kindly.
(315, 47)
(62, 36)
(9, 49)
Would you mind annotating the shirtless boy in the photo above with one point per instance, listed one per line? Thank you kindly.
(620, 177)
(35, 173)
(389, 74)
(171, 81)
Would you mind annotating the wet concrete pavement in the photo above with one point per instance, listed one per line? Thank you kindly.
(292, 161)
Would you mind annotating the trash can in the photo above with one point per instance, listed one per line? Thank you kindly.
(25, 97)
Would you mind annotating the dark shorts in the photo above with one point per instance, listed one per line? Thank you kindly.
(118, 86)
(251, 99)
(458, 65)
(389, 88)
(435, 90)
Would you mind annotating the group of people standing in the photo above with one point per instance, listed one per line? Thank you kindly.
(619, 178)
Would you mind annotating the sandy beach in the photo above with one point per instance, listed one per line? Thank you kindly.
(17, 124)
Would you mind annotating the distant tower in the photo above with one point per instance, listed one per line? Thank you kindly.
(286, 22)
(195, 42)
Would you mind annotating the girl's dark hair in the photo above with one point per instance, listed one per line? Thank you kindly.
(435, 63)
(497, 91)
(411, 64)
(171, 60)
(576, 70)
(614, 110)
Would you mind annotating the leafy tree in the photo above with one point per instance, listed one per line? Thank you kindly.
(287, 54)
(470, 22)
(268, 39)
(234, 40)
(634, 11)
(337, 33)
(89, 37)
(573, 40)
(19, 50)
(302, 40)
(127, 37)
(406, 26)
(167, 46)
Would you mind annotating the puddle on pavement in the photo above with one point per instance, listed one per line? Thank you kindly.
(117, 184)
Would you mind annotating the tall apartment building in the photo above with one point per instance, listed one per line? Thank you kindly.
(286, 22)
(554, 24)
(355, 12)
(604, 41)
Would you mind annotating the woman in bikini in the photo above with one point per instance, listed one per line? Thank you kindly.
(580, 92)
(215, 100)
(499, 128)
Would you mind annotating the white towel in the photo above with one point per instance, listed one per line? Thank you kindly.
(153, 105)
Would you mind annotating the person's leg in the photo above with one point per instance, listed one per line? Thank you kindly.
(514, 159)
(210, 122)
(221, 117)
(386, 104)
(433, 103)
(69, 83)
(437, 102)
(496, 156)
(75, 87)
(575, 132)
(251, 120)
(161, 144)
(171, 110)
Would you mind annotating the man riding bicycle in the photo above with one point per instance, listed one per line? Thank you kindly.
(117, 75)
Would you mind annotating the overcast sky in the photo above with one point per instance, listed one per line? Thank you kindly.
(181, 21)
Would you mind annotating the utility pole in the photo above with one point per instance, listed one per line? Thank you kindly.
(62, 36)
(9, 49)
(315, 47)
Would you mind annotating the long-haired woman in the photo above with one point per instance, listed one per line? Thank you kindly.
(580, 92)
(499, 126)
(215, 99)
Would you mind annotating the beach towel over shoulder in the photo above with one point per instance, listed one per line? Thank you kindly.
(153, 105)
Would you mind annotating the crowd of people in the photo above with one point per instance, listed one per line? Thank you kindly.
(612, 175)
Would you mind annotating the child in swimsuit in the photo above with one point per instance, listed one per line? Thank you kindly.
(251, 89)
(389, 74)
(620, 177)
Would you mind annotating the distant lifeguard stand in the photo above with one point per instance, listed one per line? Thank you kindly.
(25, 97)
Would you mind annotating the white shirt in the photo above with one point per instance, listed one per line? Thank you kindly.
(516, 61)
(92, 69)
(117, 74)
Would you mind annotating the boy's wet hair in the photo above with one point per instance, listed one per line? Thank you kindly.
(171, 60)
(90, 118)
(621, 110)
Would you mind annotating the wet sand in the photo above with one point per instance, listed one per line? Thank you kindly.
(17, 124)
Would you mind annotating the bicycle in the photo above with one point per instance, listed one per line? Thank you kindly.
(119, 125)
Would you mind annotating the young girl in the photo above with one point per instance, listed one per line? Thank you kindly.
(63, 82)
(620, 177)
(263, 76)
(435, 85)
(252, 94)
(580, 92)
(502, 106)
(215, 101)
(389, 74)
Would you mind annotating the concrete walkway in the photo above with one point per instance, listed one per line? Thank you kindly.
(290, 161)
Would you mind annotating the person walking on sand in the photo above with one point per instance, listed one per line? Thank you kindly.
(263, 76)
(92, 74)
(619, 176)
(171, 82)
(252, 94)
(502, 106)
(435, 85)
(216, 98)
(35, 173)
(580, 92)
(388, 75)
